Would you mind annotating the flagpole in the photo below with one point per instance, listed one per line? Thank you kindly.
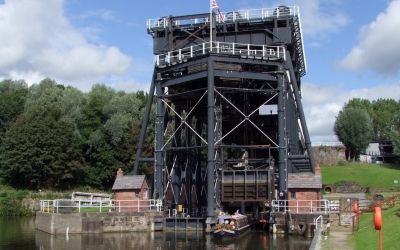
(211, 25)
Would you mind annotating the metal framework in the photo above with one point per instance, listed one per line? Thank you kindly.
(229, 122)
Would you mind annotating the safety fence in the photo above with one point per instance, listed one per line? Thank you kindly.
(305, 206)
(226, 17)
(73, 206)
(244, 50)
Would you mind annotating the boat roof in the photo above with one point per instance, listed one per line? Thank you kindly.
(235, 216)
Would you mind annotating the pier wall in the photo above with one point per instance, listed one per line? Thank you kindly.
(75, 223)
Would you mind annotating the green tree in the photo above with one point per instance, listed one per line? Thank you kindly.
(354, 129)
(395, 135)
(12, 99)
(42, 149)
(383, 116)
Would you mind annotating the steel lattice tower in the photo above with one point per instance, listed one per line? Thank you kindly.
(229, 122)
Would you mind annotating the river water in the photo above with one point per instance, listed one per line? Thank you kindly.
(20, 234)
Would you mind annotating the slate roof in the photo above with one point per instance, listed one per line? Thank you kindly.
(128, 182)
(304, 181)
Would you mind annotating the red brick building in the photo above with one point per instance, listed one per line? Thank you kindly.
(304, 192)
(128, 190)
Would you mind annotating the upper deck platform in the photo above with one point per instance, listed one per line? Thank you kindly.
(280, 26)
(230, 16)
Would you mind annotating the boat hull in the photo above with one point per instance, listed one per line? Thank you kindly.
(226, 233)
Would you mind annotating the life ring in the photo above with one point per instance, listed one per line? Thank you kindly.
(378, 218)
(356, 208)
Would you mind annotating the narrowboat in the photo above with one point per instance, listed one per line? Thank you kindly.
(231, 225)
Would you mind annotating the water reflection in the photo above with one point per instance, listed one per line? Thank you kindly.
(166, 240)
(20, 234)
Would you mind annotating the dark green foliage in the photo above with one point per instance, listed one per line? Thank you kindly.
(62, 138)
(385, 116)
(396, 134)
(12, 100)
(383, 113)
(41, 152)
(11, 204)
(353, 127)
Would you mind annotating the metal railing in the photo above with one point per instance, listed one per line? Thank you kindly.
(301, 206)
(229, 16)
(246, 50)
(319, 219)
(71, 206)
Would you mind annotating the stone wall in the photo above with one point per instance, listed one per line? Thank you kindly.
(53, 223)
(328, 155)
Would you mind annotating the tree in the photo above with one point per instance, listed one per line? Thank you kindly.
(12, 99)
(396, 133)
(42, 149)
(354, 129)
(383, 116)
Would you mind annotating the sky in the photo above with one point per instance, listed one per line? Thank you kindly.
(352, 47)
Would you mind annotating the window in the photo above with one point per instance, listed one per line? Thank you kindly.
(293, 195)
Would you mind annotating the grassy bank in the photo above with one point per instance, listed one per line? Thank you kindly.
(367, 175)
(367, 237)
(18, 202)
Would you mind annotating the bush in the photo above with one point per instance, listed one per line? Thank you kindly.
(11, 205)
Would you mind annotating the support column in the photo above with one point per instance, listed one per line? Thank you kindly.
(210, 140)
(159, 161)
(296, 91)
(145, 121)
(282, 136)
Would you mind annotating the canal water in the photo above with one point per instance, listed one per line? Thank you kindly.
(20, 234)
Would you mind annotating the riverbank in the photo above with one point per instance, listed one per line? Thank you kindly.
(15, 202)
(367, 237)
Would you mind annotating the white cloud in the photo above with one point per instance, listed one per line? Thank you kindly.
(318, 18)
(322, 104)
(378, 48)
(103, 14)
(38, 40)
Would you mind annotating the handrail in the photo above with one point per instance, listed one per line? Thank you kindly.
(228, 16)
(239, 49)
(301, 206)
(59, 205)
(319, 218)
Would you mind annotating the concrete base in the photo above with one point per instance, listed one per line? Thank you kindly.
(184, 224)
(98, 222)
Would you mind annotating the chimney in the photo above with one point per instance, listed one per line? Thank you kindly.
(120, 172)
(317, 169)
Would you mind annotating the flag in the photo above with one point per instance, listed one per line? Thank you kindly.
(214, 5)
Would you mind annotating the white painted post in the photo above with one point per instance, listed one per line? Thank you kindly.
(277, 51)
(180, 55)
(204, 48)
(100, 206)
(158, 60)
(191, 51)
(233, 48)
(263, 48)
(284, 54)
(218, 47)
(119, 206)
(168, 57)
(311, 207)
(79, 206)
(297, 206)
(138, 205)
(248, 49)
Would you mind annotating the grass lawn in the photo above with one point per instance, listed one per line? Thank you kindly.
(368, 238)
(367, 175)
